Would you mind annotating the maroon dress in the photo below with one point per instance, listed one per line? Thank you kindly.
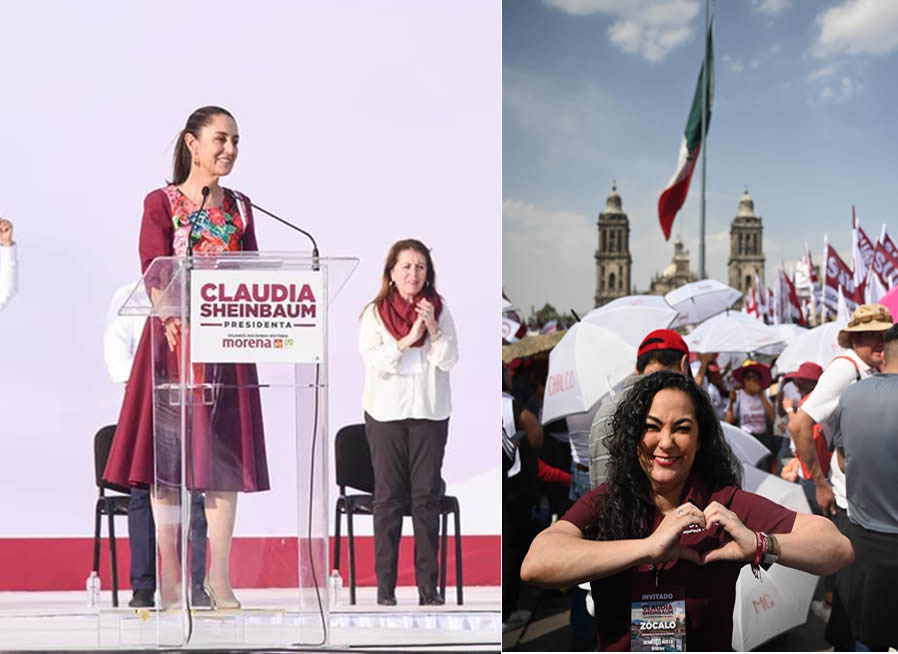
(226, 447)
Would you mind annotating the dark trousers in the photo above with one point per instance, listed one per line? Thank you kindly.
(142, 538)
(407, 456)
(863, 616)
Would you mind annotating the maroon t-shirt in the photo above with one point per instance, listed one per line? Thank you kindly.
(710, 589)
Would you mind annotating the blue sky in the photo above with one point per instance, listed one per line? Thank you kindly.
(595, 90)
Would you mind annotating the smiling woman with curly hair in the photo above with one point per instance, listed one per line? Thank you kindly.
(670, 531)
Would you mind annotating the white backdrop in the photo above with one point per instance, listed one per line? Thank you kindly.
(364, 122)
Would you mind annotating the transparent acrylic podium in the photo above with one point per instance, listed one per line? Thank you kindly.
(239, 386)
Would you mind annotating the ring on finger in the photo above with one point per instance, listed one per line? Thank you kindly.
(680, 511)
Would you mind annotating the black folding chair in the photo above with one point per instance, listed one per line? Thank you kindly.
(108, 505)
(354, 470)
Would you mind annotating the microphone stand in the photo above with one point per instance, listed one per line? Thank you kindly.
(315, 262)
(189, 386)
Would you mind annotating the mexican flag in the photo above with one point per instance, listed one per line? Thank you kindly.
(674, 195)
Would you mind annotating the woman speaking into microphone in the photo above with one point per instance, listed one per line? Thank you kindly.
(225, 448)
(408, 346)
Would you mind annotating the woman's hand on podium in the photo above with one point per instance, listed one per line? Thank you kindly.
(172, 328)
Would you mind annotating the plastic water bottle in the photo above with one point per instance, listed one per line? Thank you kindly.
(93, 589)
(335, 588)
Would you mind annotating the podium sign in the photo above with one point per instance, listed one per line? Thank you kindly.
(258, 316)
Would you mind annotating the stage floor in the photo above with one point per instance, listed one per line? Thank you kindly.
(61, 621)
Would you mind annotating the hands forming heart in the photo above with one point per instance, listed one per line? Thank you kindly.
(739, 541)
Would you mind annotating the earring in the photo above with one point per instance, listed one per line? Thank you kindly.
(392, 283)
(196, 161)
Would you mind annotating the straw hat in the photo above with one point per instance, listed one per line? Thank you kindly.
(866, 318)
(762, 369)
(531, 345)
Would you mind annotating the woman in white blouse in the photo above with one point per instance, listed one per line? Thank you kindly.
(408, 346)
(7, 263)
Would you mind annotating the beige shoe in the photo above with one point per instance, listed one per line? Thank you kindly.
(224, 603)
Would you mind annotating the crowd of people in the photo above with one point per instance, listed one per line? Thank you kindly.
(655, 503)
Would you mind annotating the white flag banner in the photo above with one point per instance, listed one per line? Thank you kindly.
(861, 251)
(509, 329)
(842, 312)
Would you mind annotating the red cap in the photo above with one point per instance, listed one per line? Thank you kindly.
(807, 370)
(662, 339)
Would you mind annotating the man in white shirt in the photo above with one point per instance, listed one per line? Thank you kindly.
(120, 342)
(8, 272)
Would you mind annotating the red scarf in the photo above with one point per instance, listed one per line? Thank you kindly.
(398, 315)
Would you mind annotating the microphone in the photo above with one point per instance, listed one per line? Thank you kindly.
(192, 220)
(240, 196)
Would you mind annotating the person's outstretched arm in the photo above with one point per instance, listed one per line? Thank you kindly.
(561, 556)
(8, 269)
(815, 545)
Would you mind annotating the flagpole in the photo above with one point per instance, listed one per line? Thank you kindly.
(701, 241)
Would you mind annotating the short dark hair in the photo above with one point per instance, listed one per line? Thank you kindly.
(891, 334)
(666, 358)
(889, 340)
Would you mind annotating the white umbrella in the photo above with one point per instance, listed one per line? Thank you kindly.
(588, 362)
(732, 331)
(748, 449)
(633, 316)
(819, 345)
(780, 600)
(789, 332)
(698, 301)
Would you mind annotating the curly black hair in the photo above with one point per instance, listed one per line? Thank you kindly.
(625, 510)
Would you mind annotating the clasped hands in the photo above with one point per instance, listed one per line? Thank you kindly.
(424, 322)
(664, 543)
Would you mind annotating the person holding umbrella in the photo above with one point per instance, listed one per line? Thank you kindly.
(710, 378)
(663, 541)
(749, 407)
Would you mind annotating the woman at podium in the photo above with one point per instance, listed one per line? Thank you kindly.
(226, 448)
(408, 346)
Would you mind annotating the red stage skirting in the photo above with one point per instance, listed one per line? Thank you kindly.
(64, 563)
